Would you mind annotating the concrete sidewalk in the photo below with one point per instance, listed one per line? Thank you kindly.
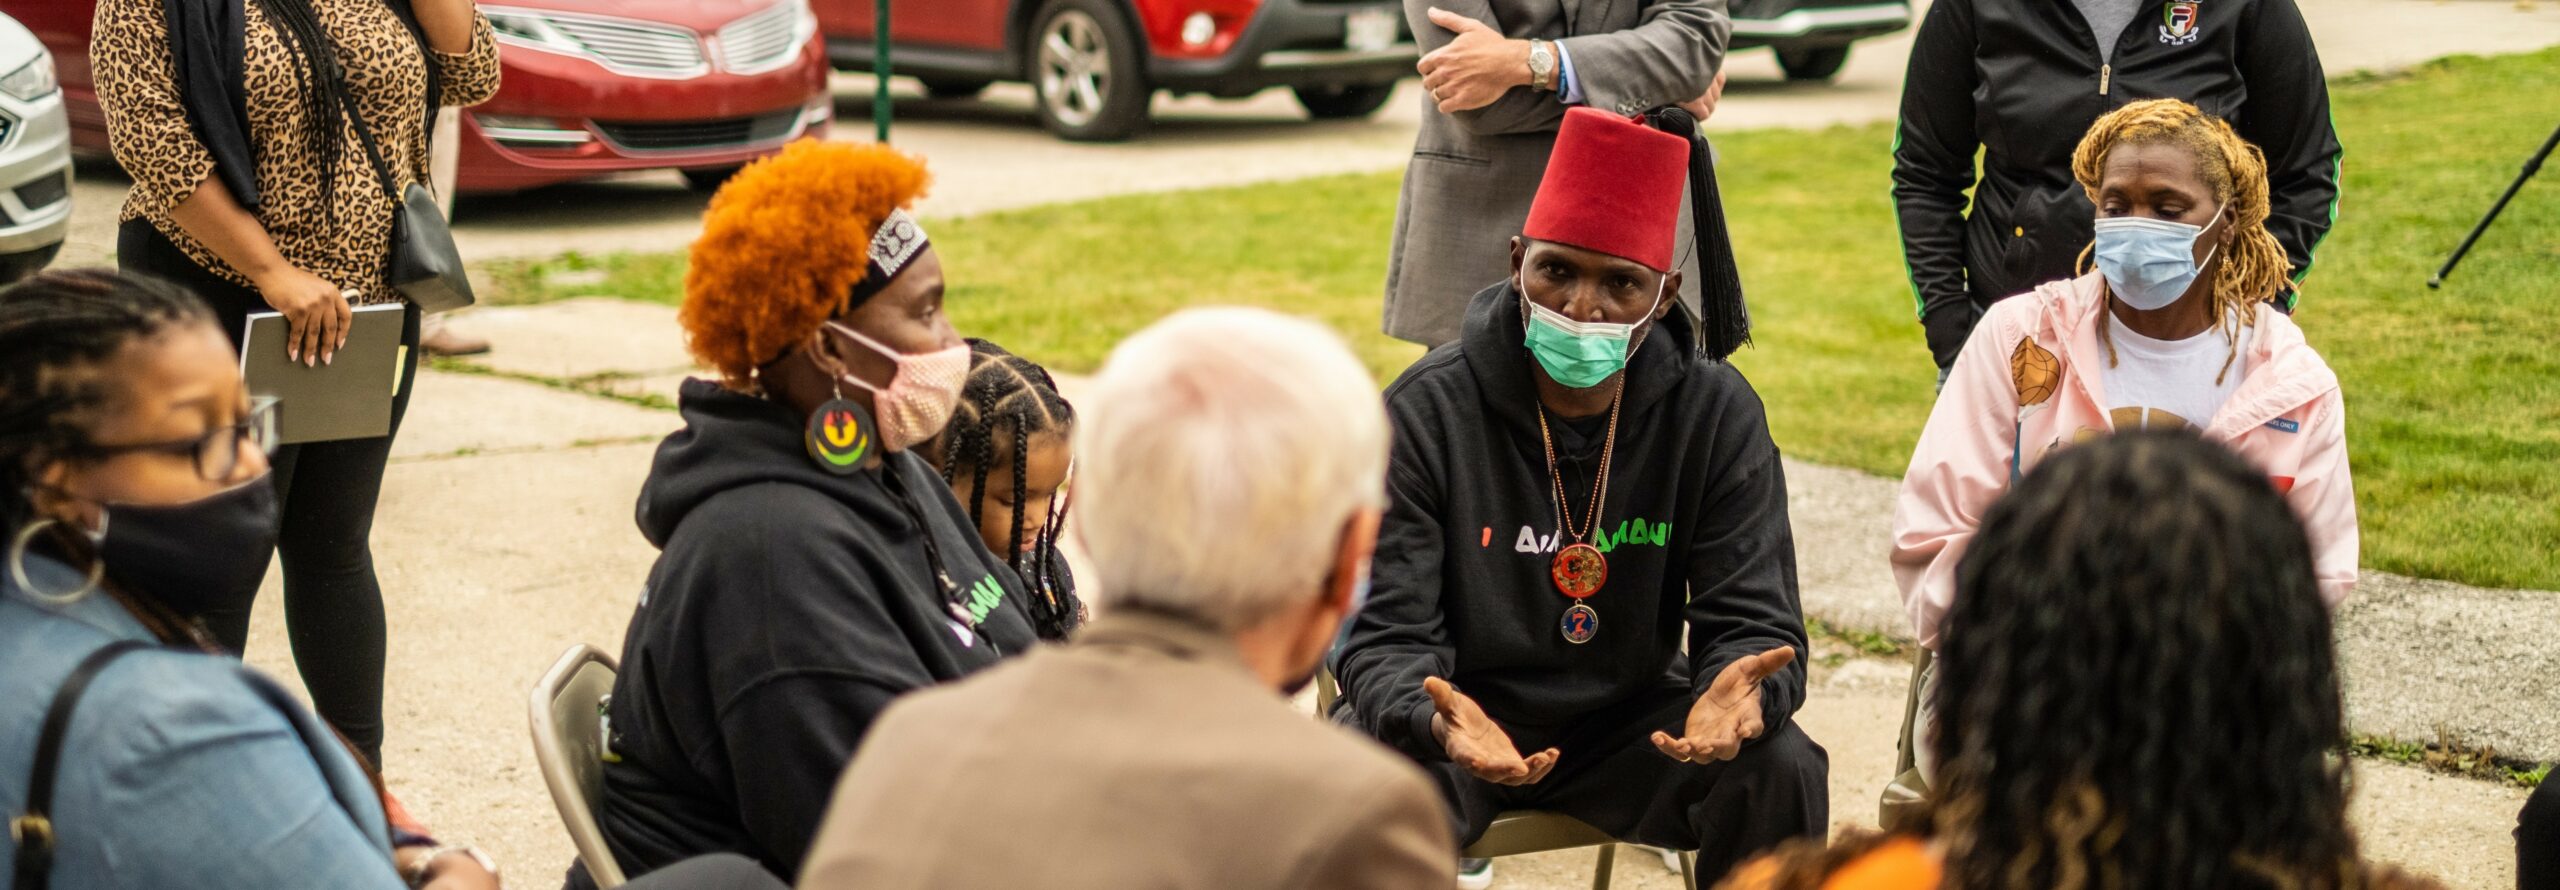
(506, 536)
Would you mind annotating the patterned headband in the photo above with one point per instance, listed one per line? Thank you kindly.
(893, 248)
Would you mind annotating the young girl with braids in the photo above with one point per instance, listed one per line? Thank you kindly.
(2166, 327)
(243, 124)
(1006, 454)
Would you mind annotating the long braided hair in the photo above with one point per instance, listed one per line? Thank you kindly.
(322, 86)
(2253, 267)
(2138, 687)
(1007, 403)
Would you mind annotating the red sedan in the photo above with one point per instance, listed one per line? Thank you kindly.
(590, 87)
(1095, 63)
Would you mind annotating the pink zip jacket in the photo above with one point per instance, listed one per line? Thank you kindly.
(2019, 391)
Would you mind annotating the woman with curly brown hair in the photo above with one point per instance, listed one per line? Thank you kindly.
(2138, 689)
(812, 566)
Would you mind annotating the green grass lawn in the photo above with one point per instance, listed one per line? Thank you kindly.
(2453, 395)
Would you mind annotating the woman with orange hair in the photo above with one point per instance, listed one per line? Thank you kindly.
(811, 567)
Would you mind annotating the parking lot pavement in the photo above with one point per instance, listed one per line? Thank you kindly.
(987, 154)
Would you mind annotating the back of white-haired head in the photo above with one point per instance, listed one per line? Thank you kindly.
(1222, 453)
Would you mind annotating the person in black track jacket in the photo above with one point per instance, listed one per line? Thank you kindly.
(1563, 516)
(2019, 83)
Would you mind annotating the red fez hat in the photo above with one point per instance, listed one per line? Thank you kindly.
(1612, 185)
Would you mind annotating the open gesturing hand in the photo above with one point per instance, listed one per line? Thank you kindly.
(1476, 744)
(1729, 713)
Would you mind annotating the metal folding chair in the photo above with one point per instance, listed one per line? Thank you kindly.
(1521, 832)
(567, 711)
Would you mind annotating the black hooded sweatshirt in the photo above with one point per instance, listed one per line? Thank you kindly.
(1695, 526)
(787, 608)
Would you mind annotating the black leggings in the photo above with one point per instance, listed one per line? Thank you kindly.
(327, 492)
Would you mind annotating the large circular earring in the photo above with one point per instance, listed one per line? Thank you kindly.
(18, 569)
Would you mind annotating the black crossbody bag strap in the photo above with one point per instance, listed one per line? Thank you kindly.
(32, 831)
(364, 134)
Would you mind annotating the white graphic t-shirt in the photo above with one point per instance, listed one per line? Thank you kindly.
(2167, 384)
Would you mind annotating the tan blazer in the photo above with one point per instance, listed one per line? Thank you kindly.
(1143, 755)
(1467, 189)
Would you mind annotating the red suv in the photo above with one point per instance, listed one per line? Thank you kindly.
(589, 87)
(1096, 63)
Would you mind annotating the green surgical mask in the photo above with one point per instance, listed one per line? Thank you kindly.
(1580, 354)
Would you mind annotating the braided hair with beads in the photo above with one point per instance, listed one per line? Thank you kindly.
(1007, 403)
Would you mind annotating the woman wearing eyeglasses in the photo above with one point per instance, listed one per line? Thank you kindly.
(133, 483)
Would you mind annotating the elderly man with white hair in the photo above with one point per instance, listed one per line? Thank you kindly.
(1230, 478)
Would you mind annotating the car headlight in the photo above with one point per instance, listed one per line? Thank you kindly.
(530, 29)
(32, 80)
(804, 21)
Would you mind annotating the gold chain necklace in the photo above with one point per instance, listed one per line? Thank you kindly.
(1579, 569)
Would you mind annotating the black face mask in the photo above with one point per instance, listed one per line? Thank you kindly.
(201, 556)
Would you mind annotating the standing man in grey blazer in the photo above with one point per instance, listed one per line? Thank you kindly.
(1501, 74)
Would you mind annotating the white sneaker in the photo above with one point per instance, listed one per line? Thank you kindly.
(1670, 859)
(1475, 874)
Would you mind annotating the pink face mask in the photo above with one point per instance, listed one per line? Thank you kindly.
(918, 400)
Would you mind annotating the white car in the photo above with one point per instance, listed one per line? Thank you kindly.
(35, 155)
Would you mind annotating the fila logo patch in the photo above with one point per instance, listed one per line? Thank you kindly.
(2282, 425)
(2179, 23)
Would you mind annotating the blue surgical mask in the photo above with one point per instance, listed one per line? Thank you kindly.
(2150, 263)
(1580, 354)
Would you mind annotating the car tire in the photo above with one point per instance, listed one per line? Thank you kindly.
(1813, 62)
(1087, 72)
(15, 266)
(710, 179)
(939, 88)
(1344, 102)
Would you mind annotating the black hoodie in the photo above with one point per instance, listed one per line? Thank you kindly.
(1695, 525)
(787, 608)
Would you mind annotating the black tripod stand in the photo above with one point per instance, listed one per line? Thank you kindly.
(2530, 167)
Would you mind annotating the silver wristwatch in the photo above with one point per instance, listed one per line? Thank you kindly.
(1542, 65)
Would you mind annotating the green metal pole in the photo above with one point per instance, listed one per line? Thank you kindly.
(880, 70)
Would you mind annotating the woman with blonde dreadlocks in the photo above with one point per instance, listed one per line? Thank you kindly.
(1006, 454)
(2166, 327)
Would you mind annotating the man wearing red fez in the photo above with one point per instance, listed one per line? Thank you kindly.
(1578, 484)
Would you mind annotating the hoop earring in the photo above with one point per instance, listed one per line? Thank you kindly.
(18, 569)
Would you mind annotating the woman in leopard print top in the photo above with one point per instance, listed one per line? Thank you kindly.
(311, 238)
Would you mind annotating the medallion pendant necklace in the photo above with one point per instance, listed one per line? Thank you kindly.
(1580, 568)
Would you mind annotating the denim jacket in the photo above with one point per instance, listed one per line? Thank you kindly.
(180, 769)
